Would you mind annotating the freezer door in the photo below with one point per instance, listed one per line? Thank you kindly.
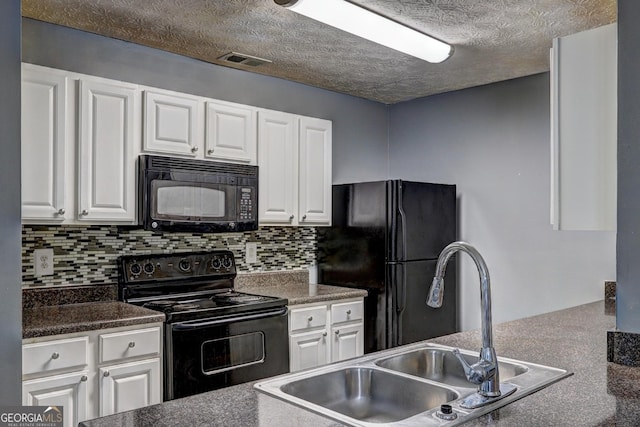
(410, 319)
(422, 219)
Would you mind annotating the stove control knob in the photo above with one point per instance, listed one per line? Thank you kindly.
(135, 269)
(216, 264)
(149, 268)
(226, 263)
(184, 265)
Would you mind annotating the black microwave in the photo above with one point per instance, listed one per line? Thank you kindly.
(184, 195)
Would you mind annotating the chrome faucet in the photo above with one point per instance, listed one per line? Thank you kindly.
(485, 372)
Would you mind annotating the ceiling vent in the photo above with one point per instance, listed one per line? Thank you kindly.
(243, 59)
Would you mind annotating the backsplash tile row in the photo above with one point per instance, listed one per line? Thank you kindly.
(87, 254)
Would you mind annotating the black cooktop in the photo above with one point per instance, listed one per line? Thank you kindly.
(188, 286)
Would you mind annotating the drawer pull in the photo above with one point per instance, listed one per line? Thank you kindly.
(132, 344)
(348, 312)
(83, 378)
(309, 319)
(55, 355)
(106, 374)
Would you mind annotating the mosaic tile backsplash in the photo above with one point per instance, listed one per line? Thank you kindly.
(87, 254)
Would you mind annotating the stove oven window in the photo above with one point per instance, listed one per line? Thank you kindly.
(227, 353)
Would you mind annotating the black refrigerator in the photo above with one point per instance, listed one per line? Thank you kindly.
(385, 238)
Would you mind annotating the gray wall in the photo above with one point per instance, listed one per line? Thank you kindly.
(10, 270)
(359, 126)
(628, 250)
(493, 142)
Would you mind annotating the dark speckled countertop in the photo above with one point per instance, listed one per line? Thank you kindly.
(294, 286)
(599, 394)
(68, 318)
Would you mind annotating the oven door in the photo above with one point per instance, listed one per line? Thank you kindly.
(211, 354)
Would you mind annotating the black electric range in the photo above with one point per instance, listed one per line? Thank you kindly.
(214, 336)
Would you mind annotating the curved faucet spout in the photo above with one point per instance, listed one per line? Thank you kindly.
(485, 372)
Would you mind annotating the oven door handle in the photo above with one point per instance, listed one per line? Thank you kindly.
(229, 319)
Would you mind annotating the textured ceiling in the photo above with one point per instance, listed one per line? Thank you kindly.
(494, 40)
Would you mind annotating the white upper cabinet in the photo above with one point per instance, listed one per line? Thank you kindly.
(315, 171)
(294, 155)
(44, 114)
(106, 162)
(171, 122)
(230, 132)
(584, 130)
(278, 180)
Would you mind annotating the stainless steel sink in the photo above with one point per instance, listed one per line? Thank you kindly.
(442, 366)
(405, 386)
(369, 394)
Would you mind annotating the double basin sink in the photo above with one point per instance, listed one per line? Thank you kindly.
(405, 386)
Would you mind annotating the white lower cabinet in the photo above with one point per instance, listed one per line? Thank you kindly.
(129, 386)
(67, 390)
(94, 373)
(321, 333)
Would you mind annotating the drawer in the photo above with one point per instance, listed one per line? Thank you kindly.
(346, 311)
(128, 344)
(308, 318)
(54, 355)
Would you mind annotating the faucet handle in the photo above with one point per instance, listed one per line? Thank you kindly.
(476, 373)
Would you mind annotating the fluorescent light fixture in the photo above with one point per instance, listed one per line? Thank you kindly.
(361, 22)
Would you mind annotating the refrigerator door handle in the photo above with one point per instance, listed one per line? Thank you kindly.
(403, 221)
(401, 302)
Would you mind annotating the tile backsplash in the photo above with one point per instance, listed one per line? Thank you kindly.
(87, 254)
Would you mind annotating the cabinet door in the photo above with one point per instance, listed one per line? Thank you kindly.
(68, 391)
(129, 386)
(170, 123)
(584, 130)
(308, 350)
(44, 114)
(106, 181)
(277, 158)
(230, 132)
(348, 342)
(315, 172)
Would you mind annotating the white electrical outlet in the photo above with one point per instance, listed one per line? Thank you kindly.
(43, 262)
(251, 253)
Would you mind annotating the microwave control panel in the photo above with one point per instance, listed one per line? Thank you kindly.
(246, 211)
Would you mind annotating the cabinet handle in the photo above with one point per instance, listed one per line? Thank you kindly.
(61, 211)
(324, 334)
(348, 312)
(55, 355)
(291, 218)
(337, 332)
(84, 212)
(106, 374)
(194, 149)
(209, 152)
(132, 344)
(309, 319)
(83, 378)
(304, 217)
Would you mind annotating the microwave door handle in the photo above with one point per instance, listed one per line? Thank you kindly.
(228, 319)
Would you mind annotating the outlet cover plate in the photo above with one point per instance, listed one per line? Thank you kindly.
(43, 262)
(251, 253)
